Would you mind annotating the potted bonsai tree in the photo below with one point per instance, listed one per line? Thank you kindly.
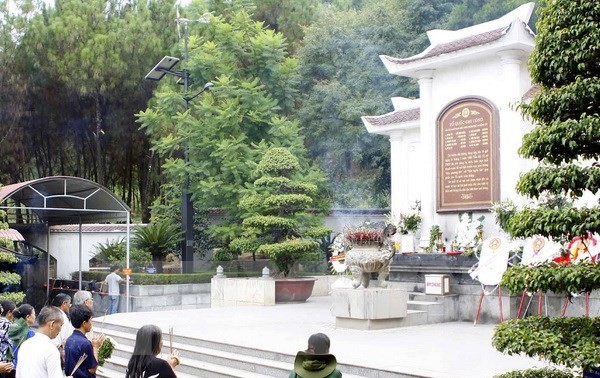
(276, 221)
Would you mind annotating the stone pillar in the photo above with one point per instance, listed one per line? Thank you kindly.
(399, 192)
(428, 145)
(511, 122)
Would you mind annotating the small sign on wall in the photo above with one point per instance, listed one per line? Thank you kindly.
(437, 284)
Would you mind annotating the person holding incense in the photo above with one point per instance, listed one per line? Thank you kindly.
(81, 354)
(144, 363)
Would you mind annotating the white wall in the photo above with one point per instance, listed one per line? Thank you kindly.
(64, 246)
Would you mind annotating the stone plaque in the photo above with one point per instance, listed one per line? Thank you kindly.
(467, 156)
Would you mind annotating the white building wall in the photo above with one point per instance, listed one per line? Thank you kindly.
(64, 247)
(486, 78)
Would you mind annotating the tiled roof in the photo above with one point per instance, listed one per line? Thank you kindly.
(397, 116)
(11, 234)
(92, 228)
(534, 90)
(456, 45)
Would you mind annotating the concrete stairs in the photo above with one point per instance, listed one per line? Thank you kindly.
(428, 309)
(208, 359)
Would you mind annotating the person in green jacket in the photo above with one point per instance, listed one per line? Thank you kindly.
(21, 330)
(316, 362)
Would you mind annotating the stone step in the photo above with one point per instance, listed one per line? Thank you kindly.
(125, 336)
(440, 308)
(191, 369)
(421, 305)
(419, 295)
(204, 361)
(217, 357)
(105, 372)
(414, 318)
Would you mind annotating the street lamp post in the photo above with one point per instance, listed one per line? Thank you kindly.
(162, 68)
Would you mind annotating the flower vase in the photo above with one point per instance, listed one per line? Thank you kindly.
(407, 243)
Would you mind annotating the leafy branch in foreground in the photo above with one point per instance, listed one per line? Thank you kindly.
(572, 342)
(551, 277)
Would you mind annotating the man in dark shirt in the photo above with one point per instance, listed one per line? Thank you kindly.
(78, 345)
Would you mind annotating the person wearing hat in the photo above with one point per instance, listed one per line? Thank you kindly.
(316, 362)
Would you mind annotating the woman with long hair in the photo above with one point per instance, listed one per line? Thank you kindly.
(20, 330)
(143, 362)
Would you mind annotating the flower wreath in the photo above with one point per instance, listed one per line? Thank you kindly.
(338, 254)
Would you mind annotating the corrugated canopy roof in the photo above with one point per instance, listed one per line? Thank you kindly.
(61, 200)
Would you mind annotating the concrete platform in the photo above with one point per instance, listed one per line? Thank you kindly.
(445, 350)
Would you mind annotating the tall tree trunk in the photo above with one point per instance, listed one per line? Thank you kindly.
(157, 261)
(99, 159)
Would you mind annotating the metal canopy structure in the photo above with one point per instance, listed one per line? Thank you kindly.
(59, 200)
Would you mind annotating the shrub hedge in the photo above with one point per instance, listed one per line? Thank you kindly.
(162, 279)
(537, 373)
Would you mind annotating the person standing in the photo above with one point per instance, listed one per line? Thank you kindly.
(6, 353)
(20, 330)
(84, 297)
(63, 301)
(38, 357)
(114, 294)
(77, 344)
(143, 362)
(316, 362)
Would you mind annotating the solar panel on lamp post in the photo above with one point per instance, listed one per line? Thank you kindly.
(162, 68)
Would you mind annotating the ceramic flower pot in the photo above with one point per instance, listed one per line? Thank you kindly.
(293, 289)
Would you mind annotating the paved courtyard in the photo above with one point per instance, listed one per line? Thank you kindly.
(446, 350)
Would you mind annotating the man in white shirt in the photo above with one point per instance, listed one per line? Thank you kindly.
(38, 357)
(114, 294)
(63, 301)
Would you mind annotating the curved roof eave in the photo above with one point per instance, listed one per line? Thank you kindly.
(64, 200)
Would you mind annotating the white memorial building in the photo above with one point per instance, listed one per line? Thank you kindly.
(455, 147)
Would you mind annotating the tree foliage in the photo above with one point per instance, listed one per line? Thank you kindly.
(553, 339)
(7, 259)
(74, 85)
(473, 12)
(71, 82)
(276, 221)
(566, 144)
(343, 79)
(566, 114)
(114, 252)
(157, 239)
(226, 131)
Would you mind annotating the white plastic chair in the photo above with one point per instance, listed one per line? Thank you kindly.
(537, 250)
(492, 264)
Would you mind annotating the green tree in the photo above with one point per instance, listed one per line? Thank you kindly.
(288, 17)
(93, 55)
(13, 155)
(8, 258)
(114, 252)
(566, 144)
(158, 239)
(224, 131)
(276, 221)
(337, 51)
(473, 12)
